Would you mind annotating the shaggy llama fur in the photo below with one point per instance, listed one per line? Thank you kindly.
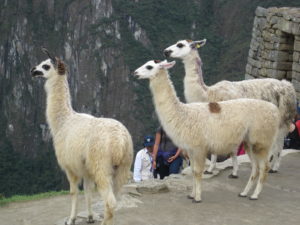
(280, 93)
(218, 127)
(97, 150)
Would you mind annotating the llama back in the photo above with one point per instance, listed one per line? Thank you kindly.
(95, 139)
(280, 93)
(115, 140)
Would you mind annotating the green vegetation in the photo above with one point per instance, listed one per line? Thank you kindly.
(22, 198)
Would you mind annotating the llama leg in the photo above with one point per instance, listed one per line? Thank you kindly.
(121, 177)
(198, 170)
(253, 176)
(213, 161)
(263, 168)
(110, 204)
(276, 151)
(192, 195)
(73, 180)
(103, 179)
(235, 166)
(88, 187)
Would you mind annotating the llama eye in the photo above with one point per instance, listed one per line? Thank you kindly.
(179, 45)
(149, 67)
(46, 67)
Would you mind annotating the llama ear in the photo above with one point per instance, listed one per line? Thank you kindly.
(53, 59)
(198, 44)
(167, 65)
(61, 67)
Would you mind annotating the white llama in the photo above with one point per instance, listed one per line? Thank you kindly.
(97, 150)
(280, 93)
(202, 127)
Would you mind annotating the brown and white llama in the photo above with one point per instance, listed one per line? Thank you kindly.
(280, 93)
(218, 127)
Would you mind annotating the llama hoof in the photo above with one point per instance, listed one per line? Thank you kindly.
(190, 197)
(233, 176)
(195, 201)
(253, 198)
(207, 172)
(70, 222)
(273, 171)
(242, 196)
(90, 219)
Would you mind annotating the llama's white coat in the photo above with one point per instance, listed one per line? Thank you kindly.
(217, 127)
(280, 93)
(97, 150)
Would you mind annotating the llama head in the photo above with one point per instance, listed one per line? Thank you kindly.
(183, 48)
(49, 68)
(151, 68)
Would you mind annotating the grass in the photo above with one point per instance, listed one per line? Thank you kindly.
(22, 198)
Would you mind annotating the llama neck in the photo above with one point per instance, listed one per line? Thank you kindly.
(195, 89)
(166, 102)
(58, 101)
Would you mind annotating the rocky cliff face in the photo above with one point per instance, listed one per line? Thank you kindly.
(102, 42)
(76, 31)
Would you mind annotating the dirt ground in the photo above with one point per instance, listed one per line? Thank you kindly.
(279, 203)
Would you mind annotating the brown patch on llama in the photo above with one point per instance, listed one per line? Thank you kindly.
(214, 107)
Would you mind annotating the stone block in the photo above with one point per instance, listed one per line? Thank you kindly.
(285, 26)
(274, 11)
(248, 68)
(279, 33)
(281, 56)
(269, 45)
(297, 46)
(263, 72)
(277, 74)
(284, 47)
(296, 67)
(287, 16)
(252, 54)
(249, 77)
(254, 45)
(268, 36)
(295, 29)
(152, 187)
(255, 71)
(275, 56)
(261, 12)
(267, 64)
(273, 20)
(254, 63)
(272, 31)
(259, 23)
(287, 66)
(296, 75)
(296, 56)
(296, 84)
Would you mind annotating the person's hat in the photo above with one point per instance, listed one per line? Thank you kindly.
(148, 140)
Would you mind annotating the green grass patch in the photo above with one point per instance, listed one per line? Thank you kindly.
(22, 198)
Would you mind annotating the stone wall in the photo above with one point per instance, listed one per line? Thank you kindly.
(275, 45)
